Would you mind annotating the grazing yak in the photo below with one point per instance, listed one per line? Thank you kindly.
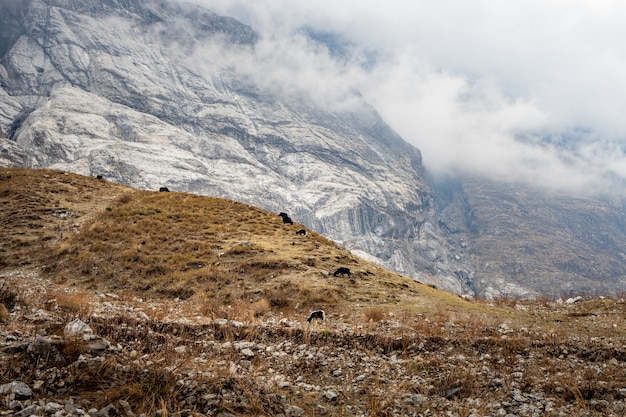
(342, 270)
(301, 232)
(286, 218)
(164, 190)
(316, 315)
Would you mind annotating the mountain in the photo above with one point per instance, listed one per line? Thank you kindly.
(521, 240)
(154, 93)
(123, 302)
(109, 88)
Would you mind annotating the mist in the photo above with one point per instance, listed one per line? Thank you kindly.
(522, 91)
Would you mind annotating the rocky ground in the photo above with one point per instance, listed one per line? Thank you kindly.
(70, 353)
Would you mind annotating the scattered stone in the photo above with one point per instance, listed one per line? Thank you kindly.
(18, 388)
(125, 407)
(31, 410)
(247, 353)
(293, 410)
(42, 345)
(78, 329)
(330, 396)
(109, 411)
(96, 347)
(53, 407)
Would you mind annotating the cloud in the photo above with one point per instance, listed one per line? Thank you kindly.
(520, 90)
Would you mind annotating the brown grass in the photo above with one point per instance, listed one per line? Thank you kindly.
(106, 237)
(374, 314)
(213, 253)
(75, 304)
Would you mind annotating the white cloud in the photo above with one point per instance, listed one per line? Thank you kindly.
(474, 85)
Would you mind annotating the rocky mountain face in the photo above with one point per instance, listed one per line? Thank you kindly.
(519, 240)
(140, 92)
(113, 88)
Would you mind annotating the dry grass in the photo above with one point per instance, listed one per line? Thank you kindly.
(192, 259)
(76, 304)
(374, 314)
(106, 237)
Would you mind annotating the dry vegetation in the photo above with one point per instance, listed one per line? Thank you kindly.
(204, 303)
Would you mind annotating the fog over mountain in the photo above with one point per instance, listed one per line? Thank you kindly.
(309, 110)
(522, 91)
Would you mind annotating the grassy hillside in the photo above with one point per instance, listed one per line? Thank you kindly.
(203, 305)
(105, 237)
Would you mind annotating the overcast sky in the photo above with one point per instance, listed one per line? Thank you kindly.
(492, 87)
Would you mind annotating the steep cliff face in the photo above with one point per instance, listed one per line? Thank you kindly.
(109, 88)
(521, 241)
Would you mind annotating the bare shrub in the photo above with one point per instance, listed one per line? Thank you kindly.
(8, 296)
(76, 304)
(261, 307)
(374, 314)
(4, 314)
(124, 199)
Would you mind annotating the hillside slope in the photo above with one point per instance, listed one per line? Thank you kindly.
(81, 230)
(197, 306)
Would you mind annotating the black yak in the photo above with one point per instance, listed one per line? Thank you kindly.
(316, 315)
(286, 218)
(342, 270)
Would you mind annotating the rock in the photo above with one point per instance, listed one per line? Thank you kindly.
(42, 345)
(18, 388)
(31, 410)
(125, 407)
(96, 346)
(330, 396)
(247, 353)
(293, 410)
(321, 409)
(78, 329)
(109, 411)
